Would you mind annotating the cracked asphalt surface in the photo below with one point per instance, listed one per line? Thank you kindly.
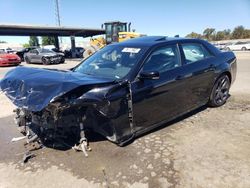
(206, 148)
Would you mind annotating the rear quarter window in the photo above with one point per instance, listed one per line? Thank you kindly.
(194, 52)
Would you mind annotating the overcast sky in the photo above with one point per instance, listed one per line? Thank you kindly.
(151, 17)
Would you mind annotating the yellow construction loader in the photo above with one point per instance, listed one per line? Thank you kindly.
(114, 32)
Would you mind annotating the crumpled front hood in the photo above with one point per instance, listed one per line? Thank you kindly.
(33, 88)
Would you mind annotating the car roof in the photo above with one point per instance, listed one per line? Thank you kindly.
(148, 41)
(151, 41)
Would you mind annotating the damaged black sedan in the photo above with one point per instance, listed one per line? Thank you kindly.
(121, 91)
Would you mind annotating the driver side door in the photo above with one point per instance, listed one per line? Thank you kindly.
(155, 101)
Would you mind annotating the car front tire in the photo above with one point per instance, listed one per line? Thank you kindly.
(45, 61)
(220, 92)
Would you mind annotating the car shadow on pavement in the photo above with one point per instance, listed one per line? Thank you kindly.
(69, 142)
(93, 137)
(172, 122)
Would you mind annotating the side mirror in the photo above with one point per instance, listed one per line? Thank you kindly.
(153, 75)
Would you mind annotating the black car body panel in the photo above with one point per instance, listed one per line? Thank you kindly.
(124, 106)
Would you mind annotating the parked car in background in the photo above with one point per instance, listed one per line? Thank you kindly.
(123, 90)
(7, 59)
(44, 56)
(8, 50)
(79, 52)
(57, 50)
(220, 46)
(239, 46)
(23, 51)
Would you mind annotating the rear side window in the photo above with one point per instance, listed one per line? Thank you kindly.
(195, 52)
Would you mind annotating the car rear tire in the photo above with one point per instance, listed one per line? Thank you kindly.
(243, 48)
(27, 60)
(228, 49)
(45, 61)
(220, 92)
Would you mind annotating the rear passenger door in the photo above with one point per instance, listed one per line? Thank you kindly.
(198, 71)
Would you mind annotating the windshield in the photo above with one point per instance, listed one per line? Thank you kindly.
(111, 62)
(43, 50)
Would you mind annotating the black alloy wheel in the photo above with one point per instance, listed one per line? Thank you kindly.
(220, 92)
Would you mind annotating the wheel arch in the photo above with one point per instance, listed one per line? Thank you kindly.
(228, 73)
(223, 69)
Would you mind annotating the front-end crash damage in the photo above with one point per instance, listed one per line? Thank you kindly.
(64, 105)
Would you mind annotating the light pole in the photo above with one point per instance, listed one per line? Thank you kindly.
(58, 18)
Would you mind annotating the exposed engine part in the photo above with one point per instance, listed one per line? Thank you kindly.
(15, 139)
(31, 145)
(27, 155)
(20, 120)
(33, 142)
(32, 138)
(83, 143)
(83, 146)
(47, 127)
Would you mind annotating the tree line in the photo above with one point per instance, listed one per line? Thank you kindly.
(33, 41)
(211, 34)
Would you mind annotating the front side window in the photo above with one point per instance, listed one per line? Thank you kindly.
(109, 28)
(111, 62)
(121, 28)
(194, 52)
(163, 59)
(44, 50)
